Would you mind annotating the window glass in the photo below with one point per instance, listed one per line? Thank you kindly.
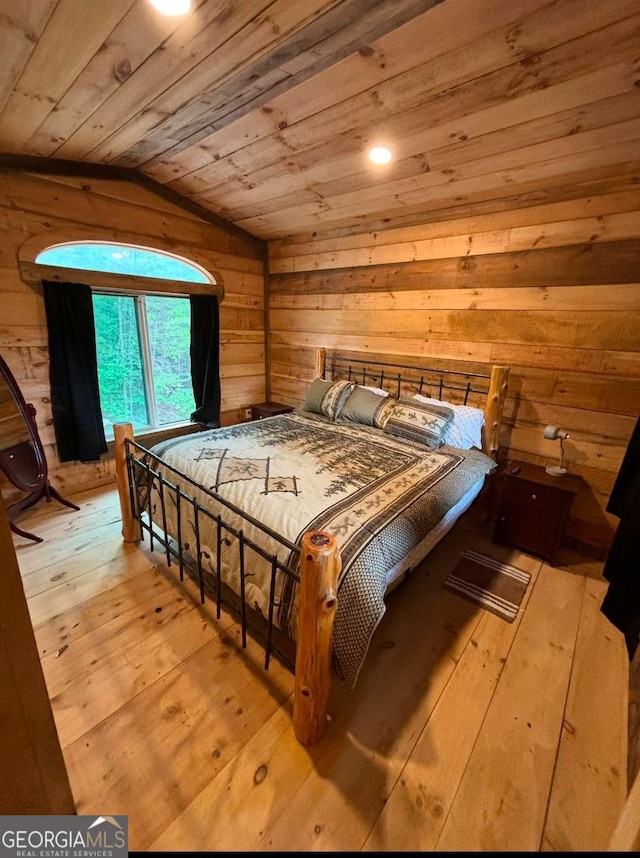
(120, 373)
(169, 326)
(122, 259)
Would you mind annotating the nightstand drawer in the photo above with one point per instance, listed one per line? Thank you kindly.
(533, 495)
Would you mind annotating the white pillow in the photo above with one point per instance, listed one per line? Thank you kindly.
(465, 430)
(377, 390)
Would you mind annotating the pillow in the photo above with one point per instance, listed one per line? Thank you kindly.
(377, 390)
(317, 390)
(366, 407)
(465, 430)
(335, 398)
(419, 421)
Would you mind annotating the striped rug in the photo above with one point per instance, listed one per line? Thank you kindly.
(486, 582)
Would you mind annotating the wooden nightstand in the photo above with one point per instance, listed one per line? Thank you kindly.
(268, 409)
(534, 508)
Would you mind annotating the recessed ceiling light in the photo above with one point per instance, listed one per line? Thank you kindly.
(172, 7)
(380, 155)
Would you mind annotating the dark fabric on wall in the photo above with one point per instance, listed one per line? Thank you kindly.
(621, 604)
(205, 359)
(75, 396)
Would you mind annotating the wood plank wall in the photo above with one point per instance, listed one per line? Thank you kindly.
(34, 777)
(553, 290)
(76, 208)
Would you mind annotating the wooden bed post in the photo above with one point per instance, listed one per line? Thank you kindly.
(493, 409)
(320, 565)
(321, 362)
(130, 527)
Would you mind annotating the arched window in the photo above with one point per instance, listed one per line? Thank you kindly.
(142, 330)
(123, 259)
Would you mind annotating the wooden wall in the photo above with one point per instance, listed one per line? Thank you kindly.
(77, 208)
(551, 290)
(34, 779)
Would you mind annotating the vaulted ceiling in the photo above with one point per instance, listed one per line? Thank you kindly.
(262, 111)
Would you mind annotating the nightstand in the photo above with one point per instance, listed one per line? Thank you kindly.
(269, 409)
(534, 508)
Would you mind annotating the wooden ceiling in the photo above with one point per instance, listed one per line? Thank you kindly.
(262, 111)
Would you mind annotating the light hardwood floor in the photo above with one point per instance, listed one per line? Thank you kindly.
(464, 732)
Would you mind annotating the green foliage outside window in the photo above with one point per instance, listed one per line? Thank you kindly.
(121, 259)
(169, 321)
(121, 376)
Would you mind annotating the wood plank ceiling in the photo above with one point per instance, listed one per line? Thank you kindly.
(262, 111)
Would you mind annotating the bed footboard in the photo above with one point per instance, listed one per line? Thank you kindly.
(317, 579)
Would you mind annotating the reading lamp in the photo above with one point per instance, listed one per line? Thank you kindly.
(554, 433)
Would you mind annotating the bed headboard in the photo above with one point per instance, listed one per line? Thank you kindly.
(482, 390)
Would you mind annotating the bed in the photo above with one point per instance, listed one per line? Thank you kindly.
(301, 523)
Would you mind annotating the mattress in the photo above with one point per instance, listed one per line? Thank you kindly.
(386, 501)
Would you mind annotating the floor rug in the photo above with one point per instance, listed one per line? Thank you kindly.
(487, 582)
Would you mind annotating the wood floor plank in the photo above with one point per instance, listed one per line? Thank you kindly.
(116, 559)
(66, 523)
(139, 608)
(414, 814)
(412, 657)
(254, 789)
(52, 518)
(590, 781)
(105, 603)
(64, 550)
(502, 800)
(86, 702)
(165, 718)
(152, 757)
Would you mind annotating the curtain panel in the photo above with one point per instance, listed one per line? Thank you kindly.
(75, 395)
(205, 359)
(621, 604)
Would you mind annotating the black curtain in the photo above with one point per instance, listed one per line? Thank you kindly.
(621, 604)
(75, 396)
(205, 359)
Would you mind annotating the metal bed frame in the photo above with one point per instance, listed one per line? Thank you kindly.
(143, 478)
(313, 565)
(345, 366)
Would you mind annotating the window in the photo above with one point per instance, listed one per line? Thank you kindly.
(144, 373)
(123, 259)
(142, 340)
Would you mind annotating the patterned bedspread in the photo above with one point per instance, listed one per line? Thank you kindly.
(378, 495)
